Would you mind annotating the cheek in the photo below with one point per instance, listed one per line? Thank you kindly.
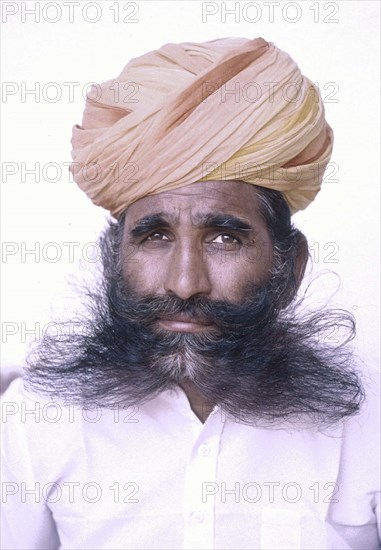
(142, 274)
(232, 274)
(257, 261)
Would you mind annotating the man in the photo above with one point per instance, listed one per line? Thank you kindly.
(197, 407)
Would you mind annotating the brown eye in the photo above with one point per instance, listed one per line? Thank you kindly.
(225, 238)
(157, 236)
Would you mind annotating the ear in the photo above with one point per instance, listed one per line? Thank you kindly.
(295, 270)
(300, 260)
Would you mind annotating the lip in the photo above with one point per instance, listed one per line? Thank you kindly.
(184, 324)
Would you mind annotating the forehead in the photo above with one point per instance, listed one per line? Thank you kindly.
(230, 197)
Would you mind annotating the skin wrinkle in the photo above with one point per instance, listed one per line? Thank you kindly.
(262, 360)
(198, 220)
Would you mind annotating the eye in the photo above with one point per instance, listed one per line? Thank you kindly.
(156, 237)
(226, 238)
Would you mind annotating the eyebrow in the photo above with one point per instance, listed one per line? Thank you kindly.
(217, 220)
(150, 223)
(220, 220)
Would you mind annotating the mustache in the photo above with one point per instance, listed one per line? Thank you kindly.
(257, 310)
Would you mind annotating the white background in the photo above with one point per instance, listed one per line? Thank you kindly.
(334, 43)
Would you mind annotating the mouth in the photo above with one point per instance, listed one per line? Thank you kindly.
(184, 323)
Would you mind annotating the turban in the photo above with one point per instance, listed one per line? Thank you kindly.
(227, 109)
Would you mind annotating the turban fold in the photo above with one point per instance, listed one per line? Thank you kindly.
(228, 109)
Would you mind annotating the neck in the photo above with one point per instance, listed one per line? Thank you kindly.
(199, 404)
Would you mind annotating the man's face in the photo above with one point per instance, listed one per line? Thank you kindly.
(206, 239)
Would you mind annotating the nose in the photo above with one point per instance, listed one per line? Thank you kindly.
(187, 272)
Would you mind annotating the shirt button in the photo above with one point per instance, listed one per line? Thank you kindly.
(198, 517)
(204, 449)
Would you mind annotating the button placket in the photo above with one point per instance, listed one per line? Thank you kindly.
(201, 470)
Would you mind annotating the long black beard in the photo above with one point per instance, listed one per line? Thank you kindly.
(259, 364)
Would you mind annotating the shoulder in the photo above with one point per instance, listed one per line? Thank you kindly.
(35, 430)
(22, 408)
(358, 478)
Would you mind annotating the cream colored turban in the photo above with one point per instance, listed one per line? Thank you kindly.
(229, 109)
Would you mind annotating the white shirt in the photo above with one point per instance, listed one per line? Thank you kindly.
(155, 477)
